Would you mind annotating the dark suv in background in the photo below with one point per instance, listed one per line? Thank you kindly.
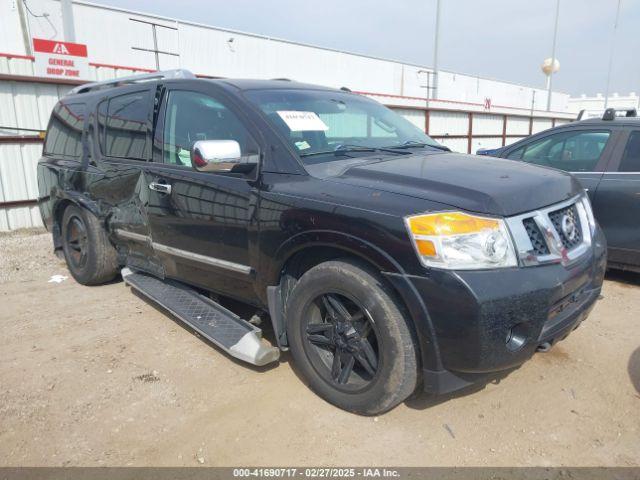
(604, 154)
(383, 261)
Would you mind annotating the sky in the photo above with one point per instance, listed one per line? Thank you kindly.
(501, 39)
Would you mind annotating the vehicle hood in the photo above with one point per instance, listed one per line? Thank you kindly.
(479, 184)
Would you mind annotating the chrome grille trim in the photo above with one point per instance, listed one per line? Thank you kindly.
(557, 251)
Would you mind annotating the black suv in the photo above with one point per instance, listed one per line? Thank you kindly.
(604, 153)
(384, 262)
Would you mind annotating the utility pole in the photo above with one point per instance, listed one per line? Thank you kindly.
(553, 56)
(613, 46)
(68, 26)
(436, 73)
(24, 27)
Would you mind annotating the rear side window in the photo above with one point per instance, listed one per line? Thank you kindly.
(64, 135)
(631, 156)
(124, 121)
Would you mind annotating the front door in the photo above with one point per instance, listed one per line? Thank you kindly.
(584, 152)
(201, 222)
(618, 201)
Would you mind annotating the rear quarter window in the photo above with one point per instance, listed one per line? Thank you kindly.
(123, 125)
(64, 134)
(631, 157)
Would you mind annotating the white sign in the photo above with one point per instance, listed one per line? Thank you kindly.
(302, 121)
(60, 59)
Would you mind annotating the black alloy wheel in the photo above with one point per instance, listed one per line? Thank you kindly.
(77, 240)
(341, 333)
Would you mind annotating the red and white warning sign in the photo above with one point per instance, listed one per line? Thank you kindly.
(60, 59)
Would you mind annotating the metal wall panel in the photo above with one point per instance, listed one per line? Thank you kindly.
(27, 104)
(492, 142)
(540, 124)
(416, 117)
(455, 144)
(518, 125)
(484, 124)
(16, 66)
(19, 217)
(448, 123)
(13, 181)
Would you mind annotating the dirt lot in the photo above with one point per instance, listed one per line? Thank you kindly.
(97, 376)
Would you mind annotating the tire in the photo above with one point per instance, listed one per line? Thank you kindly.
(318, 332)
(90, 257)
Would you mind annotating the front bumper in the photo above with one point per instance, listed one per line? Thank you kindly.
(482, 322)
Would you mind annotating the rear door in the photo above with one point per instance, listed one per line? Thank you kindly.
(618, 200)
(202, 222)
(122, 126)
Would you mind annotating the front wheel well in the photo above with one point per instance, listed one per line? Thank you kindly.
(304, 260)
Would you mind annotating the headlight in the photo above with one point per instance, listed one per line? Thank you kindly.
(586, 203)
(457, 240)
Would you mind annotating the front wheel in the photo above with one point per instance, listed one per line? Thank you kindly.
(350, 338)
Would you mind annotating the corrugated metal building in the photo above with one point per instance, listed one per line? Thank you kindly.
(469, 112)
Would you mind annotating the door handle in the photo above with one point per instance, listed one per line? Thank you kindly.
(160, 187)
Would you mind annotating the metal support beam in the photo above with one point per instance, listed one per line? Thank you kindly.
(504, 130)
(68, 27)
(24, 28)
(470, 133)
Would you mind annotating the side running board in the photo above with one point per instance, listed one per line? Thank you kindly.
(234, 335)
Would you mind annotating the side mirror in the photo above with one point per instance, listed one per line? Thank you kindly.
(215, 155)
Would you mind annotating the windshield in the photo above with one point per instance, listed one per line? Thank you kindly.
(324, 125)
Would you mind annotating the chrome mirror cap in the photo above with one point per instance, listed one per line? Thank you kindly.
(215, 155)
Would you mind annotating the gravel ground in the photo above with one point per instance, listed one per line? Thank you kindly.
(23, 252)
(96, 376)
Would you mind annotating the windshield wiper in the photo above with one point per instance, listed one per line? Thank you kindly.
(345, 149)
(412, 144)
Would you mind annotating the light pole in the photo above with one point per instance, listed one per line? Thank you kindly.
(613, 45)
(435, 51)
(553, 57)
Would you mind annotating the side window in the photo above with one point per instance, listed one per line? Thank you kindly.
(570, 151)
(64, 135)
(193, 116)
(124, 120)
(516, 154)
(631, 157)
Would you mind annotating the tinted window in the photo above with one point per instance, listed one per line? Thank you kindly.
(64, 135)
(516, 154)
(570, 151)
(126, 126)
(192, 116)
(631, 157)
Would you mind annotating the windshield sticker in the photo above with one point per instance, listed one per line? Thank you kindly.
(303, 145)
(298, 121)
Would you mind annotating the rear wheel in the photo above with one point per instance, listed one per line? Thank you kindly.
(90, 257)
(350, 338)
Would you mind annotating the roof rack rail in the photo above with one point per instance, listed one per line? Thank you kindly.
(281, 79)
(145, 77)
(610, 113)
(580, 114)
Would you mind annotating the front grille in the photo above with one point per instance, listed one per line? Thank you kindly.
(536, 237)
(572, 237)
(555, 234)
